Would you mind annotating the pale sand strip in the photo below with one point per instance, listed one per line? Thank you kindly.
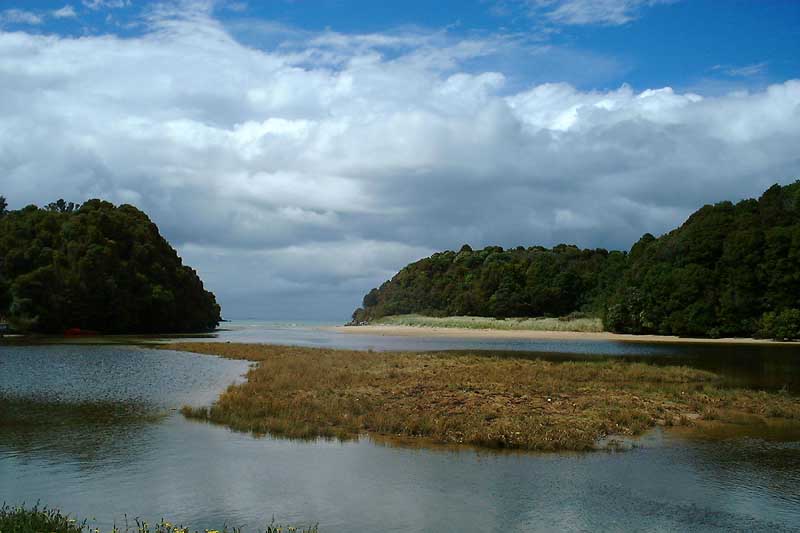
(417, 331)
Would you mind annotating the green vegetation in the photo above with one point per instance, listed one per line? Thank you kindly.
(731, 270)
(783, 325)
(37, 520)
(21, 519)
(96, 267)
(464, 398)
(585, 324)
(498, 283)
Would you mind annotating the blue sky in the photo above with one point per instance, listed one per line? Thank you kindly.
(701, 45)
(298, 153)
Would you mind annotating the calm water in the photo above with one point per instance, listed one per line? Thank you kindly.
(769, 367)
(93, 429)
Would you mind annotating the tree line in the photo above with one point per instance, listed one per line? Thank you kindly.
(729, 270)
(96, 267)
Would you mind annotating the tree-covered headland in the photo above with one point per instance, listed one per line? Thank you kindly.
(729, 270)
(96, 267)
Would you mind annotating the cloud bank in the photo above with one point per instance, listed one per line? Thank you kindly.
(297, 177)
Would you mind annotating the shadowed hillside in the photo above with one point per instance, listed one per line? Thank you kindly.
(96, 267)
(729, 270)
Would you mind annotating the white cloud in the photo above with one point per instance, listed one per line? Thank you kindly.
(105, 4)
(65, 12)
(323, 165)
(19, 16)
(586, 12)
(745, 71)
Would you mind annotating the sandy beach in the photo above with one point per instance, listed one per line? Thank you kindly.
(415, 331)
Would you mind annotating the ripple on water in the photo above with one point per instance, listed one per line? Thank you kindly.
(98, 437)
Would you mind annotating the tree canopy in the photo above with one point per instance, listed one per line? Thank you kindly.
(501, 283)
(96, 267)
(729, 270)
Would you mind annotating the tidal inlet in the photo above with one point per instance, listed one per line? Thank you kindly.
(478, 265)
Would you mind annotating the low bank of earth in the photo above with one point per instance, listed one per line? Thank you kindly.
(586, 329)
(583, 324)
(462, 398)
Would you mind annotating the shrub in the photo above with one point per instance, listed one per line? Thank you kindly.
(783, 325)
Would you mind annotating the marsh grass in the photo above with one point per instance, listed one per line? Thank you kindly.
(582, 324)
(21, 519)
(463, 398)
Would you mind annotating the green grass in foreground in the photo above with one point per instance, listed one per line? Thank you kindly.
(21, 519)
(586, 325)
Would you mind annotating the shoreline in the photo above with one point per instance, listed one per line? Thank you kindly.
(423, 331)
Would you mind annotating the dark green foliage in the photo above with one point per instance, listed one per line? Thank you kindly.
(784, 325)
(36, 520)
(5, 296)
(729, 270)
(96, 267)
(717, 274)
(499, 283)
(60, 206)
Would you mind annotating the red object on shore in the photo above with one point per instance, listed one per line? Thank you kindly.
(78, 332)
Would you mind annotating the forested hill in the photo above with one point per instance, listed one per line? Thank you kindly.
(729, 270)
(96, 267)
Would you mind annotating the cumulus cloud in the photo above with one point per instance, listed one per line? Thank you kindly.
(309, 279)
(297, 177)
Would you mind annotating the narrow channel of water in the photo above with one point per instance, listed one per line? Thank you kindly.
(772, 367)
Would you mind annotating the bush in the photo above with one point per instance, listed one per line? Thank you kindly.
(784, 325)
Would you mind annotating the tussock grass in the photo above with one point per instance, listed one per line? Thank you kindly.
(21, 519)
(586, 325)
(495, 402)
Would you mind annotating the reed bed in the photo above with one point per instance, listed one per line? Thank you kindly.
(579, 324)
(36, 519)
(463, 398)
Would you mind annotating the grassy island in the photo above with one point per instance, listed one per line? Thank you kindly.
(467, 398)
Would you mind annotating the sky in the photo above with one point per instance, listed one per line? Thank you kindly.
(298, 153)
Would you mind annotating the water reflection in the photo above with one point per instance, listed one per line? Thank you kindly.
(86, 433)
(98, 404)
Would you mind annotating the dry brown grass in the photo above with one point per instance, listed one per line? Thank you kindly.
(497, 402)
